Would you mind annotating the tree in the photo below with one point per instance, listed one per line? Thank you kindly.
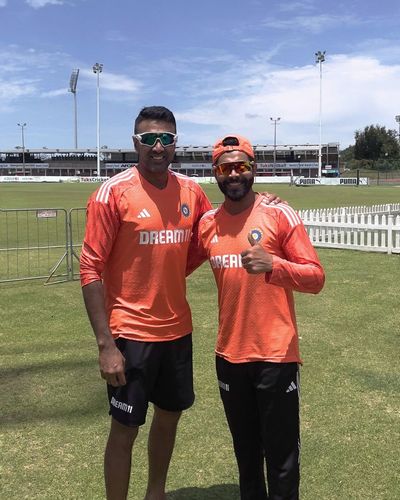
(347, 154)
(376, 143)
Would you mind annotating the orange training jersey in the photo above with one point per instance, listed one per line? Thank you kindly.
(136, 241)
(256, 311)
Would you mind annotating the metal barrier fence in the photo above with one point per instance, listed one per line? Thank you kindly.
(76, 225)
(40, 243)
(45, 243)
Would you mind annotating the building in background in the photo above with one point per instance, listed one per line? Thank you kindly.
(295, 160)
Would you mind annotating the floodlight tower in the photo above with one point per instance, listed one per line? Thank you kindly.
(320, 58)
(72, 88)
(23, 125)
(397, 118)
(275, 122)
(97, 69)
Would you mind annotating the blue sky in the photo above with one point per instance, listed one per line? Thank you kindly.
(222, 66)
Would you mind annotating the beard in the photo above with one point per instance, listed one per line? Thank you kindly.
(236, 190)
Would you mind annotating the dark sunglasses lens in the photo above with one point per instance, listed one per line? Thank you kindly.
(167, 139)
(243, 167)
(239, 167)
(225, 168)
(148, 139)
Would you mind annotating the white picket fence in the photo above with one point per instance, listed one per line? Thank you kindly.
(373, 228)
(388, 208)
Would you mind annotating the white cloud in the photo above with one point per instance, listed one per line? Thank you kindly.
(30, 73)
(3, 3)
(38, 4)
(14, 59)
(27, 73)
(11, 91)
(296, 6)
(312, 24)
(114, 82)
(54, 93)
(115, 36)
(383, 49)
(357, 91)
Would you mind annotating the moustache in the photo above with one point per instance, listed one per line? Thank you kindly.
(234, 181)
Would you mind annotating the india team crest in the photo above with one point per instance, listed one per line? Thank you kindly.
(256, 234)
(185, 210)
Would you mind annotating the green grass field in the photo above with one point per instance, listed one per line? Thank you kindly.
(75, 195)
(54, 419)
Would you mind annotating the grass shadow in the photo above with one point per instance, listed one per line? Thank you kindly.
(215, 492)
(58, 390)
(44, 367)
(81, 410)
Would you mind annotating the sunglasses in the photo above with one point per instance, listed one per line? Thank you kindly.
(150, 138)
(240, 167)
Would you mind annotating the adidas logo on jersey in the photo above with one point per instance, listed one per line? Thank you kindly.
(143, 214)
(214, 239)
(292, 387)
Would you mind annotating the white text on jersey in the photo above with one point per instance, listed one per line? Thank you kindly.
(121, 406)
(164, 237)
(226, 261)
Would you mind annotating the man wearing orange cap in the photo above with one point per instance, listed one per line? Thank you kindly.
(133, 261)
(259, 255)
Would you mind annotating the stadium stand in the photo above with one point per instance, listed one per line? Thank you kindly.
(298, 160)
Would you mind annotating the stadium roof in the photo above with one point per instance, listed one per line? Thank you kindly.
(179, 149)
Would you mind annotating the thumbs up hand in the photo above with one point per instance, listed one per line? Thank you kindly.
(255, 259)
(251, 239)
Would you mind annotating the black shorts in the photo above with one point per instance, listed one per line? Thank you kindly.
(157, 372)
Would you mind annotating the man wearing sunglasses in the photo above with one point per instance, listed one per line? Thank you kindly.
(259, 254)
(133, 262)
(139, 226)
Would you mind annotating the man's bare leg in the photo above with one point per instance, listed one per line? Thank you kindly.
(160, 447)
(117, 460)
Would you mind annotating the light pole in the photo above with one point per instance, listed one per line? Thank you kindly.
(97, 69)
(397, 118)
(72, 88)
(23, 125)
(320, 58)
(275, 122)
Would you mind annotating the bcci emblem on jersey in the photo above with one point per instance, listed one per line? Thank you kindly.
(185, 210)
(256, 234)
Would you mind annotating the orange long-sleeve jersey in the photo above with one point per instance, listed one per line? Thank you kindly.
(257, 320)
(136, 241)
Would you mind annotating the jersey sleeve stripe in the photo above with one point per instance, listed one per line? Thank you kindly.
(209, 212)
(291, 215)
(182, 176)
(104, 191)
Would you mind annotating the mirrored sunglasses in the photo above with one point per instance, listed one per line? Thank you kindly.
(240, 167)
(150, 138)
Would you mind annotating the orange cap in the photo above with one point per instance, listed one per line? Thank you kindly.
(232, 143)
